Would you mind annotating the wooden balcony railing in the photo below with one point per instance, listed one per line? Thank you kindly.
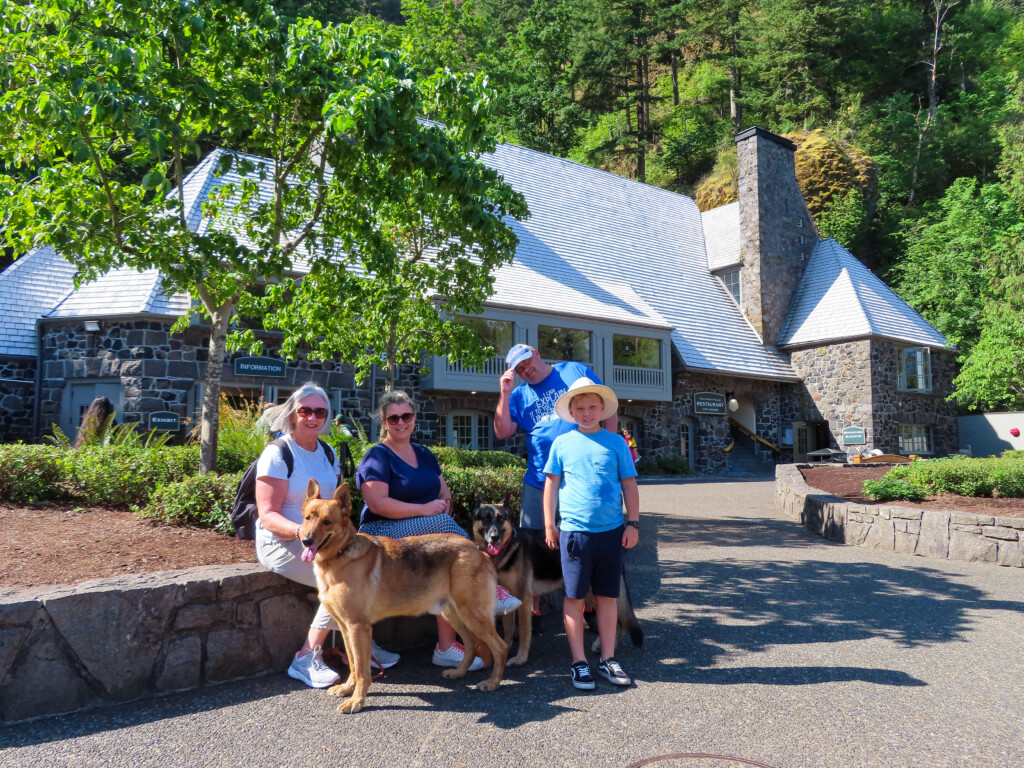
(493, 367)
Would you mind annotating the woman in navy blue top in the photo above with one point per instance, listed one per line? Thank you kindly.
(406, 495)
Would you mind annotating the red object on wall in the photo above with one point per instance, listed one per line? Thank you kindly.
(1014, 431)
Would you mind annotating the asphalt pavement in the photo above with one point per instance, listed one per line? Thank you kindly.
(765, 644)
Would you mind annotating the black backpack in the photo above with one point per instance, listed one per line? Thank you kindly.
(243, 511)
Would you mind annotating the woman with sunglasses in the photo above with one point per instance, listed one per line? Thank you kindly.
(279, 498)
(406, 495)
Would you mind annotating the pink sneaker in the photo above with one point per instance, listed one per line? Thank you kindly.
(506, 601)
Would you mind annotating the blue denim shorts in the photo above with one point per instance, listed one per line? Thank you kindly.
(592, 561)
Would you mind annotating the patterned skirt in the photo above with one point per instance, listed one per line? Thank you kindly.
(412, 526)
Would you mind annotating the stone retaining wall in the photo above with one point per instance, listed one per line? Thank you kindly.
(925, 532)
(111, 640)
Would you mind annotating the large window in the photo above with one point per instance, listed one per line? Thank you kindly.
(636, 351)
(557, 343)
(915, 438)
(495, 333)
(915, 369)
(467, 429)
(731, 281)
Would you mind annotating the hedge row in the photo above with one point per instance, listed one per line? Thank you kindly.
(1003, 476)
(164, 482)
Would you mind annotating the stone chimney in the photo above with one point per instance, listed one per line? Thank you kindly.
(777, 234)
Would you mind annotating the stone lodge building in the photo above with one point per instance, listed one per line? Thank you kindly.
(734, 338)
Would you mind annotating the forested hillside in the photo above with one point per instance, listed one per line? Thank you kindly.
(907, 114)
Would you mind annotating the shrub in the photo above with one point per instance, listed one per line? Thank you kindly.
(492, 483)
(201, 500)
(460, 457)
(241, 436)
(29, 473)
(673, 465)
(118, 476)
(889, 488)
(1013, 454)
(965, 477)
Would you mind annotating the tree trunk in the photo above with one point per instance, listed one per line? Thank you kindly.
(735, 93)
(210, 423)
(390, 357)
(941, 9)
(675, 79)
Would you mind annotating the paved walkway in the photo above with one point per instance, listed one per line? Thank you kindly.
(763, 643)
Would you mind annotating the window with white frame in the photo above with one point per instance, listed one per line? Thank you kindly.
(496, 333)
(467, 429)
(915, 438)
(731, 280)
(560, 343)
(914, 366)
(636, 351)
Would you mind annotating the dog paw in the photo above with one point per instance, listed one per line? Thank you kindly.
(344, 689)
(453, 674)
(515, 661)
(486, 685)
(351, 706)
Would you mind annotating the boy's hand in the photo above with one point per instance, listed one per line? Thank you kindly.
(551, 536)
(630, 537)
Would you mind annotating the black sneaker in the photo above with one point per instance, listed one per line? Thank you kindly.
(610, 670)
(581, 676)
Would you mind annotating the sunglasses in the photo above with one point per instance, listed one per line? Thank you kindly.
(394, 418)
(305, 413)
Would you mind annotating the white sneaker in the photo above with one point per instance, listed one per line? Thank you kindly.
(387, 659)
(454, 656)
(311, 670)
(507, 602)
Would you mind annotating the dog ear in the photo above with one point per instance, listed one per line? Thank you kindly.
(476, 501)
(312, 490)
(341, 494)
(506, 499)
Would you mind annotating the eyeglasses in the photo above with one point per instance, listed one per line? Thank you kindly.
(406, 417)
(305, 413)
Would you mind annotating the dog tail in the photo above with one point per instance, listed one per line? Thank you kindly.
(627, 618)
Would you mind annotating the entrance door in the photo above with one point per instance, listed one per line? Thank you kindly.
(79, 395)
(809, 436)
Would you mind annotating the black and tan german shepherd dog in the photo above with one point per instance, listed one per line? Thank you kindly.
(527, 567)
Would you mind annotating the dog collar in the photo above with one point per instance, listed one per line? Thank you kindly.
(508, 544)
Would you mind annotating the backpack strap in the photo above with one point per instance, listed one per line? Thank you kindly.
(327, 449)
(286, 453)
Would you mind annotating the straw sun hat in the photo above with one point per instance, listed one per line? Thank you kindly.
(584, 386)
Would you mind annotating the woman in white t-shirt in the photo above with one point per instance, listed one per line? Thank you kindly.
(279, 498)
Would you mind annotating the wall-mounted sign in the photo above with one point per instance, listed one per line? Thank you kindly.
(709, 403)
(259, 366)
(165, 421)
(854, 436)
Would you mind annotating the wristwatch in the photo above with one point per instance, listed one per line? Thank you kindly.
(633, 524)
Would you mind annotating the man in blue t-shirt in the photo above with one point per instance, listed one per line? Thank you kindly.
(531, 407)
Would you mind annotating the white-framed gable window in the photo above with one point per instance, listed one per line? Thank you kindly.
(915, 438)
(914, 367)
(731, 280)
(468, 429)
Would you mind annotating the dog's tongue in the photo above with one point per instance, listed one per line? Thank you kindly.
(308, 553)
(493, 550)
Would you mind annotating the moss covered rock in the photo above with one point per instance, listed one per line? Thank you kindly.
(826, 169)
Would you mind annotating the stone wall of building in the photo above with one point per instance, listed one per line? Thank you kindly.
(776, 232)
(894, 406)
(17, 399)
(837, 388)
(158, 370)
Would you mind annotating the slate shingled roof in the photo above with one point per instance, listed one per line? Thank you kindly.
(589, 228)
(30, 286)
(839, 298)
(722, 236)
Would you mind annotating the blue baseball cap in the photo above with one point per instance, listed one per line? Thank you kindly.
(518, 354)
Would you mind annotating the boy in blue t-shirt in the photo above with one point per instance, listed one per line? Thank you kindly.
(589, 474)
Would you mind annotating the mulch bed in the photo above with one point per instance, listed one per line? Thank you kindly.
(848, 483)
(55, 544)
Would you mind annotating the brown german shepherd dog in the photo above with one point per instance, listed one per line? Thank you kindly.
(527, 567)
(363, 579)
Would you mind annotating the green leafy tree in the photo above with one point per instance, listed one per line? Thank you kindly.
(433, 233)
(113, 102)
